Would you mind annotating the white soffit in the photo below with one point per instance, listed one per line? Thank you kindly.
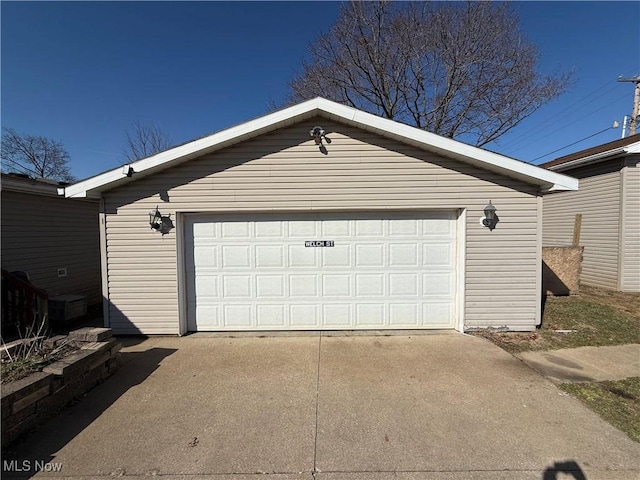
(546, 179)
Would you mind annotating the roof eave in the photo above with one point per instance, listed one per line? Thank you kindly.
(94, 186)
(545, 179)
(631, 149)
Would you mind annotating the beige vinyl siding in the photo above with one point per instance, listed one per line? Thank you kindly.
(285, 171)
(630, 281)
(598, 200)
(42, 233)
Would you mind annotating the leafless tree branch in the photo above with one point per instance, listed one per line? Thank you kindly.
(145, 140)
(461, 70)
(37, 156)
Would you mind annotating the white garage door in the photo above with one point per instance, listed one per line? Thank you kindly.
(321, 271)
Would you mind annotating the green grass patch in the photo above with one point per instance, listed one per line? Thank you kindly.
(617, 402)
(595, 324)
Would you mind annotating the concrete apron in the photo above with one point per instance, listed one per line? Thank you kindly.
(447, 406)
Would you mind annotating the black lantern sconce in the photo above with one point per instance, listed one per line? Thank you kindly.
(490, 219)
(160, 223)
(318, 135)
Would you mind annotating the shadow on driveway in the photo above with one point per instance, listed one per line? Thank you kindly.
(54, 434)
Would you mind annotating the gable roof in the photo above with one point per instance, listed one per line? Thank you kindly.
(627, 145)
(546, 180)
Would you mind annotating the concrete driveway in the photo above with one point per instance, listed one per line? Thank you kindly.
(412, 407)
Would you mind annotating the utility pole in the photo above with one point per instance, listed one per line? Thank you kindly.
(636, 102)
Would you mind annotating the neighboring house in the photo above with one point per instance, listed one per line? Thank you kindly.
(55, 240)
(376, 225)
(609, 202)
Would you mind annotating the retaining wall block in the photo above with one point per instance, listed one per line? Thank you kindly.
(18, 417)
(75, 363)
(14, 391)
(91, 334)
(30, 399)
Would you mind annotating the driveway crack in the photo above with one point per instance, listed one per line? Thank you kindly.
(315, 440)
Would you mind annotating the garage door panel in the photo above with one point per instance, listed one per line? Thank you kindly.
(206, 255)
(336, 228)
(302, 257)
(207, 285)
(304, 316)
(403, 315)
(270, 256)
(370, 315)
(236, 286)
(269, 230)
(438, 226)
(370, 255)
(236, 256)
(270, 286)
(404, 228)
(235, 230)
(336, 316)
(336, 285)
(438, 254)
(403, 255)
(208, 316)
(403, 284)
(256, 273)
(303, 286)
(238, 317)
(302, 229)
(270, 316)
(438, 284)
(370, 284)
(338, 256)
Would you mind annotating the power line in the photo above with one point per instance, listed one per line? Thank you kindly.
(557, 119)
(572, 144)
(550, 121)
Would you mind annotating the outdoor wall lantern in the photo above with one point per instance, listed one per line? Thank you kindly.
(490, 219)
(160, 223)
(318, 135)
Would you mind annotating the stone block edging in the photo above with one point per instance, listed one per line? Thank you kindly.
(32, 400)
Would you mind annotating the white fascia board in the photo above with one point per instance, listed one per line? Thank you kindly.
(546, 179)
(597, 157)
(94, 185)
(633, 148)
(550, 181)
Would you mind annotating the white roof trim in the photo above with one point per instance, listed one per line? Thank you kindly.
(633, 148)
(628, 149)
(546, 179)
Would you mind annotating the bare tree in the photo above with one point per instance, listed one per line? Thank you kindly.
(36, 156)
(145, 140)
(461, 70)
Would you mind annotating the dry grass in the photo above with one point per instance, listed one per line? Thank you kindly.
(595, 317)
(617, 402)
(33, 354)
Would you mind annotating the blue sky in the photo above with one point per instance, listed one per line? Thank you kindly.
(84, 72)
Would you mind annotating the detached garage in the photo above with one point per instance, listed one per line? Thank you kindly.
(321, 217)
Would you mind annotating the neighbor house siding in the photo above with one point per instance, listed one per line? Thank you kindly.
(42, 233)
(598, 201)
(285, 171)
(630, 241)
